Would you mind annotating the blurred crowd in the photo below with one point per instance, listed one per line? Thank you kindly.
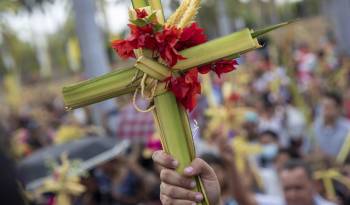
(285, 119)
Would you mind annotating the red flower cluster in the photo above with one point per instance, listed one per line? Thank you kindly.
(219, 67)
(186, 88)
(141, 37)
(191, 36)
(166, 42)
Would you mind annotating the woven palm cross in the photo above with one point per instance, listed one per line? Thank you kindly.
(63, 184)
(147, 77)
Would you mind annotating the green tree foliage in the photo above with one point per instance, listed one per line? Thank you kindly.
(22, 53)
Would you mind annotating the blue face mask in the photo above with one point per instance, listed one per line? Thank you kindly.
(269, 151)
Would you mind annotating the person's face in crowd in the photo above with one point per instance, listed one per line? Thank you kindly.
(269, 147)
(297, 187)
(251, 129)
(266, 139)
(330, 110)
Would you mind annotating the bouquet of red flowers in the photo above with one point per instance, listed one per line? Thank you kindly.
(165, 42)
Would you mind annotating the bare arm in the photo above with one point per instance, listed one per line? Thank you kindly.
(239, 191)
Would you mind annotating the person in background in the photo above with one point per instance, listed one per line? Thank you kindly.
(269, 141)
(10, 192)
(250, 125)
(220, 168)
(297, 184)
(240, 187)
(306, 62)
(92, 195)
(294, 124)
(330, 128)
(296, 179)
(271, 160)
(269, 175)
(269, 116)
(127, 177)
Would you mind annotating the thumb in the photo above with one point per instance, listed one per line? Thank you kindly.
(200, 168)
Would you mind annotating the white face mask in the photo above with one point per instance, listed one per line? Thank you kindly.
(269, 151)
(80, 116)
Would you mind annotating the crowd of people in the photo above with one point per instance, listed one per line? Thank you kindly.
(268, 130)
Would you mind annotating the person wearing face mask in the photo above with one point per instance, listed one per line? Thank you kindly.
(269, 141)
(270, 178)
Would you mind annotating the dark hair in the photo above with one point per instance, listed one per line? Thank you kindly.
(271, 133)
(293, 154)
(212, 159)
(335, 97)
(295, 164)
(267, 101)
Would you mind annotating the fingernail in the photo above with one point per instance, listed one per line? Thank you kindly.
(193, 184)
(188, 170)
(175, 163)
(199, 197)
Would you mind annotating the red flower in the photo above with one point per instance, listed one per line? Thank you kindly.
(166, 41)
(224, 66)
(141, 13)
(204, 69)
(144, 36)
(191, 36)
(136, 31)
(219, 67)
(141, 37)
(124, 48)
(186, 88)
(234, 97)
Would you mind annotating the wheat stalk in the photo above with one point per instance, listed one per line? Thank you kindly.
(175, 18)
(190, 14)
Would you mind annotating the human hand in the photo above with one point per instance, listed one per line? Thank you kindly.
(177, 189)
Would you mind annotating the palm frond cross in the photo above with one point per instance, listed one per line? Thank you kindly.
(169, 54)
